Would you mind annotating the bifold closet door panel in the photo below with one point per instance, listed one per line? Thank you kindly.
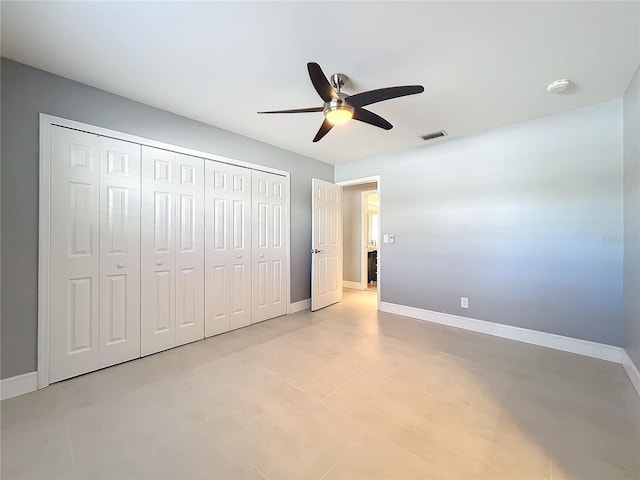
(240, 248)
(189, 249)
(75, 255)
(119, 251)
(227, 247)
(158, 243)
(269, 245)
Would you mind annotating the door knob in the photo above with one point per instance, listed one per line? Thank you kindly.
(158, 262)
(261, 256)
(239, 257)
(315, 250)
(121, 265)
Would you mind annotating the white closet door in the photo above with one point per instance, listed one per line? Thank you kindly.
(269, 247)
(240, 248)
(158, 256)
(75, 255)
(119, 251)
(228, 247)
(190, 249)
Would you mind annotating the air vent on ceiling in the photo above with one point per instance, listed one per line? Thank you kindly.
(432, 135)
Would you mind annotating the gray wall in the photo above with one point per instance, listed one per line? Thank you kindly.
(631, 122)
(25, 93)
(525, 220)
(352, 230)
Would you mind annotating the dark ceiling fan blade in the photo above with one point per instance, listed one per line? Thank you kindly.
(320, 82)
(297, 110)
(371, 118)
(324, 129)
(382, 94)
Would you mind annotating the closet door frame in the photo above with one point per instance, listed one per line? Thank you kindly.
(44, 221)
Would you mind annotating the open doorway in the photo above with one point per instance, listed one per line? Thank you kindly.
(370, 231)
(361, 234)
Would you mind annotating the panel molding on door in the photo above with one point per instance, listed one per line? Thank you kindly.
(189, 191)
(269, 246)
(75, 255)
(158, 258)
(228, 247)
(119, 251)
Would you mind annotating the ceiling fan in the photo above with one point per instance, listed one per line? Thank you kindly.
(340, 107)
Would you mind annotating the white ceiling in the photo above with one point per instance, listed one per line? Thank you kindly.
(483, 64)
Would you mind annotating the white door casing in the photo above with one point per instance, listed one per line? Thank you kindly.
(75, 255)
(228, 247)
(269, 272)
(189, 189)
(119, 251)
(326, 248)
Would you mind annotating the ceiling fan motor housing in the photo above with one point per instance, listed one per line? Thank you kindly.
(338, 80)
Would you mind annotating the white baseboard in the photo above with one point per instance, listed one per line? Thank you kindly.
(543, 339)
(631, 370)
(354, 285)
(301, 305)
(14, 386)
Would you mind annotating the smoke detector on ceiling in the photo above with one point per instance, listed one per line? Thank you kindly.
(558, 86)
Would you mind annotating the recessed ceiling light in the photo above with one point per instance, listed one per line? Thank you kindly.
(558, 86)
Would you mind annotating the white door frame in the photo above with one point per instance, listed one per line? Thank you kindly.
(44, 218)
(364, 251)
(360, 181)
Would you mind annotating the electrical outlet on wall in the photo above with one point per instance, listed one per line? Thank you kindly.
(464, 302)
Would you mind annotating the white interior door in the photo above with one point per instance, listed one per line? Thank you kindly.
(119, 251)
(75, 255)
(269, 272)
(326, 248)
(158, 250)
(228, 247)
(190, 249)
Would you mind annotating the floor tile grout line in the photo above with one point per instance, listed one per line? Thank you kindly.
(166, 439)
(264, 477)
(66, 427)
(414, 387)
(475, 394)
(346, 451)
(393, 442)
(343, 384)
(284, 380)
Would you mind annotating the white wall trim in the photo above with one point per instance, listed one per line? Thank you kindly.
(300, 306)
(632, 370)
(543, 339)
(44, 248)
(359, 181)
(354, 285)
(18, 385)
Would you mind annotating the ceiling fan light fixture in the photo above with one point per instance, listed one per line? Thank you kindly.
(337, 114)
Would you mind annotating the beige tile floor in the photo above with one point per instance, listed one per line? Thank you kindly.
(343, 393)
